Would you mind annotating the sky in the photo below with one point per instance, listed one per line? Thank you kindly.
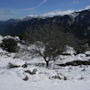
(21, 8)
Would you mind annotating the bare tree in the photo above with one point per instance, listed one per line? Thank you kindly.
(52, 42)
(41, 49)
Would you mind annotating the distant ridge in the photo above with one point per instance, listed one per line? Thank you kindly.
(77, 23)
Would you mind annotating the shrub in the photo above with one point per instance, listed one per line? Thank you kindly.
(31, 72)
(25, 78)
(9, 45)
(11, 65)
(81, 78)
(80, 48)
(65, 78)
(75, 63)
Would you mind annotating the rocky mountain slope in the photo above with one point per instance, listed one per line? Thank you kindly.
(77, 23)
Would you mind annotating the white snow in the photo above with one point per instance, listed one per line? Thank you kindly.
(1, 38)
(74, 14)
(88, 52)
(52, 78)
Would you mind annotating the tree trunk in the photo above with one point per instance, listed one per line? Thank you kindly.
(47, 63)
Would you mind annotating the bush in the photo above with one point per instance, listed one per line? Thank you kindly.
(25, 78)
(56, 77)
(75, 63)
(11, 65)
(80, 48)
(9, 45)
(31, 72)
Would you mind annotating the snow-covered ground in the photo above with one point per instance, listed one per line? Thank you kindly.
(52, 78)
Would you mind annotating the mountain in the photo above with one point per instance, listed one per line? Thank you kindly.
(77, 23)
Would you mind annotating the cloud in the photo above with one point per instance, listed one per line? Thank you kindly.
(37, 6)
(53, 13)
(58, 12)
(76, 2)
(87, 7)
(40, 4)
(6, 12)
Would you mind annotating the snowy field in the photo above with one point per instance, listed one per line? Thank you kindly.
(52, 78)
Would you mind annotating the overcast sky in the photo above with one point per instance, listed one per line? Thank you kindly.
(22, 8)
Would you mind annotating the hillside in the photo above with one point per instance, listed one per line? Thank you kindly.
(77, 22)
